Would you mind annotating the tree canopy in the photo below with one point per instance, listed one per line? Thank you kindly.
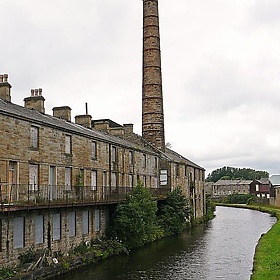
(231, 173)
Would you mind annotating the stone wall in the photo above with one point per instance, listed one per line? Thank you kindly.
(9, 254)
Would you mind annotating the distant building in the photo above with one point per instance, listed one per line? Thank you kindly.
(260, 188)
(275, 190)
(227, 187)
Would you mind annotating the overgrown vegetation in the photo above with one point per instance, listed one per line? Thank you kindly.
(28, 256)
(139, 221)
(231, 173)
(136, 221)
(238, 198)
(210, 208)
(174, 213)
(6, 273)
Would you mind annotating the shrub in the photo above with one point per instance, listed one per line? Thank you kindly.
(174, 213)
(136, 221)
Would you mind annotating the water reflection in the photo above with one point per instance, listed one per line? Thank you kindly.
(223, 249)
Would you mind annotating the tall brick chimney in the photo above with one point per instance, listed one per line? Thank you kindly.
(152, 101)
(36, 101)
(5, 88)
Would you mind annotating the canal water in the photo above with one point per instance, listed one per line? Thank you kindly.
(222, 249)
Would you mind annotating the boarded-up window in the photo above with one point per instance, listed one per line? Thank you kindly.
(93, 150)
(68, 144)
(130, 158)
(33, 177)
(114, 180)
(56, 226)
(72, 223)
(163, 177)
(155, 182)
(130, 177)
(34, 137)
(18, 229)
(93, 180)
(114, 154)
(144, 181)
(97, 220)
(68, 173)
(85, 222)
(144, 159)
(39, 229)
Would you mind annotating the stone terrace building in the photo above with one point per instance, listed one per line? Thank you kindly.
(224, 188)
(60, 180)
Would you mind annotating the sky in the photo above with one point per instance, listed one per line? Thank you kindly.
(220, 68)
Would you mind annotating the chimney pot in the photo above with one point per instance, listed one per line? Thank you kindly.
(1, 78)
(40, 92)
(32, 92)
(36, 92)
(5, 78)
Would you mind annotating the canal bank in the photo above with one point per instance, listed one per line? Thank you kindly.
(220, 249)
(266, 259)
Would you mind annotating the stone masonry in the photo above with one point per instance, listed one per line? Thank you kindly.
(152, 102)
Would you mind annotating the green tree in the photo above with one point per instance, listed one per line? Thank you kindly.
(174, 213)
(136, 220)
(231, 173)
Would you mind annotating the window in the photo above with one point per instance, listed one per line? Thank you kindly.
(177, 168)
(68, 173)
(144, 181)
(130, 158)
(34, 137)
(130, 180)
(68, 144)
(93, 180)
(39, 229)
(72, 223)
(257, 188)
(114, 154)
(33, 177)
(156, 182)
(144, 159)
(18, 227)
(93, 150)
(114, 180)
(85, 222)
(156, 162)
(97, 220)
(163, 177)
(56, 226)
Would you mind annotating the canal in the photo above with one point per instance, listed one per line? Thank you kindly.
(222, 249)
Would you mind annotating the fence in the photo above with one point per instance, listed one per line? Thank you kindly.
(34, 195)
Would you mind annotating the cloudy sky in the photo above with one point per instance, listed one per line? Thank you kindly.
(220, 66)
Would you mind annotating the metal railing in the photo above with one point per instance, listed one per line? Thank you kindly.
(34, 195)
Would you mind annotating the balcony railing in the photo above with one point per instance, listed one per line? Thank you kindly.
(33, 195)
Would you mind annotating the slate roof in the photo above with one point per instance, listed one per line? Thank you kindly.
(264, 181)
(233, 182)
(172, 155)
(17, 111)
(275, 180)
(36, 117)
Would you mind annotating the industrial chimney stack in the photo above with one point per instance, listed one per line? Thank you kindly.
(152, 101)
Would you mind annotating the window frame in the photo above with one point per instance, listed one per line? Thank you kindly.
(93, 150)
(34, 137)
(68, 144)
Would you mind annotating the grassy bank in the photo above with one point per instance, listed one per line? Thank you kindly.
(267, 255)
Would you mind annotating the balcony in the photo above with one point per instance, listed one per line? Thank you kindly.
(20, 197)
